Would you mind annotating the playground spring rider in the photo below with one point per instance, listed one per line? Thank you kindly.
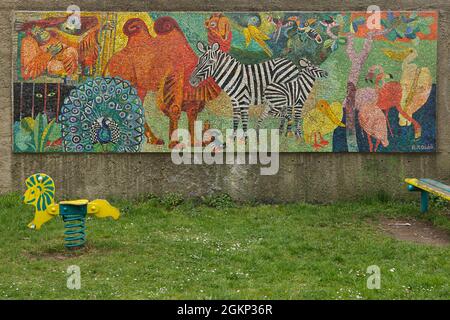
(41, 194)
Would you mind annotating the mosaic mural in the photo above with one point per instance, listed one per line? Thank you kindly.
(125, 81)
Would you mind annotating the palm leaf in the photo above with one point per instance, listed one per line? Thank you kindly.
(27, 124)
(46, 134)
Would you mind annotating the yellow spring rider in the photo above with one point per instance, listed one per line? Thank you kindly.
(40, 193)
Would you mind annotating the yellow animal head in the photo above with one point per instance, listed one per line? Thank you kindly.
(103, 209)
(40, 193)
(331, 111)
(322, 105)
(218, 24)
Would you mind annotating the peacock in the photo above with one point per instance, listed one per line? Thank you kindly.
(102, 114)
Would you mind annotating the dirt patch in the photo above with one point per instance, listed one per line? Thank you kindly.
(60, 253)
(415, 231)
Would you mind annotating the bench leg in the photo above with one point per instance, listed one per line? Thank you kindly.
(423, 201)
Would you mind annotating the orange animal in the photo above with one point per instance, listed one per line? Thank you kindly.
(390, 96)
(219, 30)
(162, 64)
(52, 46)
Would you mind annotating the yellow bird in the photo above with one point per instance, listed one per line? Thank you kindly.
(321, 120)
(397, 55)
(416, 86)
(253, 27)
(252, 32)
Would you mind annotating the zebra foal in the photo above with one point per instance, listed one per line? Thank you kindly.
(283, 99)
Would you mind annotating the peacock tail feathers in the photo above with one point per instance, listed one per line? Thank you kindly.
(104, 111)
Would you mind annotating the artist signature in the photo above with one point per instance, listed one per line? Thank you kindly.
(422, 147)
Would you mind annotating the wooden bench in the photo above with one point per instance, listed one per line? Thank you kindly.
(427, 186)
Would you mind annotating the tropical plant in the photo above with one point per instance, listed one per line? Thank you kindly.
(35, 135)
(404, 26)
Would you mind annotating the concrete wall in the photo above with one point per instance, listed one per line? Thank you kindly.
(310, 177)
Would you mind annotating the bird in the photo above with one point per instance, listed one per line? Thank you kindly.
(104, 130)
(390, 95)
(321, 120)
(250, 24)
(416, 85)
(371, 118)
(306, 27)
(280, 25)
(103, 112)
(397, 55)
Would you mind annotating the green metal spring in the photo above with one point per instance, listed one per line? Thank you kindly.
(75, 233)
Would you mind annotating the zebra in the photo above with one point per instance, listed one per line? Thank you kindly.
(281, 99)
(244, 83)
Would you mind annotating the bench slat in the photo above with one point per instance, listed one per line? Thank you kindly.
(436, 184)
(431, 186)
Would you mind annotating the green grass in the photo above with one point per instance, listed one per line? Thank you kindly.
(213, 249)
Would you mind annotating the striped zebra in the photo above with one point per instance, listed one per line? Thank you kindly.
(283, 99)
(245, 84)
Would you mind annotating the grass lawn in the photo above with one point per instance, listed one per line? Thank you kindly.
(170, 249)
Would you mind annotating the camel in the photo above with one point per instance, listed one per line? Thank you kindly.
(162, 64)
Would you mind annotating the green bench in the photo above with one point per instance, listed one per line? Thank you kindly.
(427, 186)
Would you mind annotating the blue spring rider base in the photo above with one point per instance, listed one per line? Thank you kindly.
(74, 215)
